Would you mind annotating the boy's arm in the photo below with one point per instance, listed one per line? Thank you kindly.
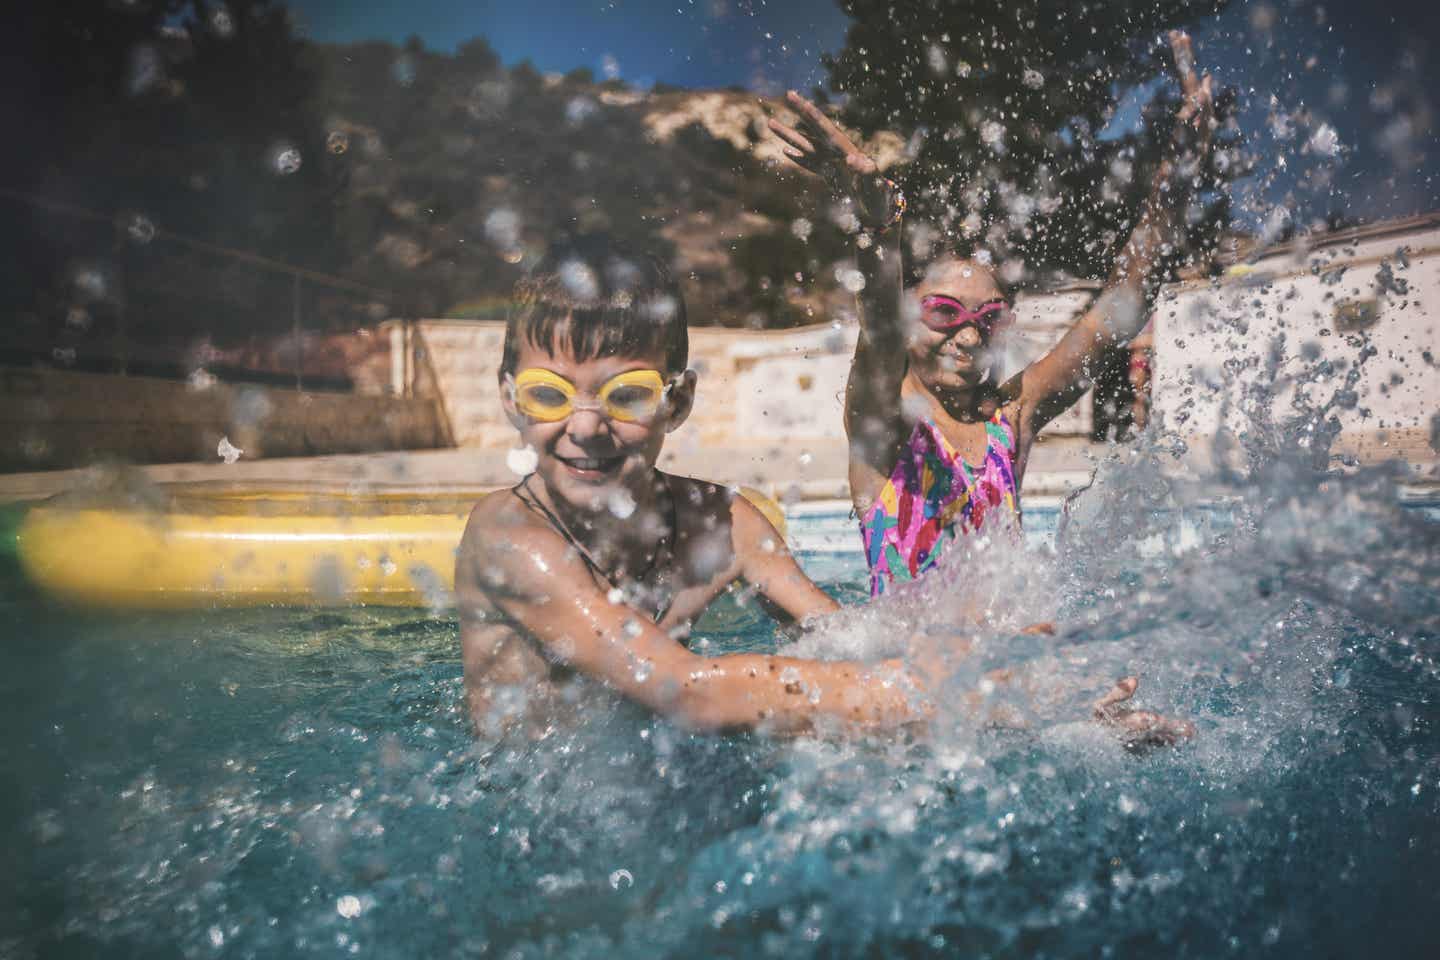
(873, 419)
(1123, 307)
(535, 579)
(767, 564)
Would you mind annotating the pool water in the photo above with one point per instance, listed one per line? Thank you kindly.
(294, 783)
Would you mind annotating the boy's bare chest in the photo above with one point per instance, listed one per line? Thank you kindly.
(674, 592)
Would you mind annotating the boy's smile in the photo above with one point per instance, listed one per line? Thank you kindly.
(591, 468)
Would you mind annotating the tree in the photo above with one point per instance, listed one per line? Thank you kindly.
(1007, 106)
(148, 119)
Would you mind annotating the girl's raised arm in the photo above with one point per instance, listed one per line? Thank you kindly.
(1122, 309)
(873, 421)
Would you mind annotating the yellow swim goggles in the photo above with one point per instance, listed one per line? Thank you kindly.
(629, 397)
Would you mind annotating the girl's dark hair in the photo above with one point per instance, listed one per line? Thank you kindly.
(594, 299)
(916, 269)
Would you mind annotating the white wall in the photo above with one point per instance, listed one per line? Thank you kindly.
(756, 387)
(1274, 324)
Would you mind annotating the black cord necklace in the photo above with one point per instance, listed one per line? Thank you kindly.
(664, 544)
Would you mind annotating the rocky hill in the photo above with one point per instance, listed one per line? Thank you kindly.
(456, 171)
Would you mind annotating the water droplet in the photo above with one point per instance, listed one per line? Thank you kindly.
(522, 461)
(502, 228)
(348, 906)
(228, 451)
(403, 70)
(221, 22)
(620, 503)
(621, 880)
(579, 280)
(285, 159)
(850, 279)
(1325, 141)
(140, 229)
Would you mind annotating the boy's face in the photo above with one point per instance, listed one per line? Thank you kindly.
(585, 458)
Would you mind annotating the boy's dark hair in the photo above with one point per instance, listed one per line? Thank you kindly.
(594, 299)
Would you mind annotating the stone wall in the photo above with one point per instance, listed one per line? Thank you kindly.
(1286, 331)
(52, 419)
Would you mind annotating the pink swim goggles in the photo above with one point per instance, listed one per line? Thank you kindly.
(941, 313)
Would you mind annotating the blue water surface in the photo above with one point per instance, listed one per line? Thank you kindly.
(295, 783)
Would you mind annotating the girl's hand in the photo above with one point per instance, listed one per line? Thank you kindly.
(818, 145)
(1196, 120)
(1139, 730)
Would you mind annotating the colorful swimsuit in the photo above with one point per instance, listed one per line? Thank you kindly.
(930, 493)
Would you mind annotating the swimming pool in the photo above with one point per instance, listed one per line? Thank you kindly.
(293, 783)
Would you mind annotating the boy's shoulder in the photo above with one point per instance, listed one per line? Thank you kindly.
(706, 510)
(700, 498)
(500, 515)
(495, 504)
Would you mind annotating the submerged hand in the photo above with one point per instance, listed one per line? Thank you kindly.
(817, 144)
(1139, 730)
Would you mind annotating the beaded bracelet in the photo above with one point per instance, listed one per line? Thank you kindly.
(897, 205)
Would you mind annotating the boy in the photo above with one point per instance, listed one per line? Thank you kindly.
(596, 564)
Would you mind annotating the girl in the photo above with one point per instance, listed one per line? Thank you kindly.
(937, 446)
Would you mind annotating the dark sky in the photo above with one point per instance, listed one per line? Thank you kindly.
(693, 43)
(1361, 80)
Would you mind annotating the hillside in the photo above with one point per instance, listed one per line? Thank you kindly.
(457, 171)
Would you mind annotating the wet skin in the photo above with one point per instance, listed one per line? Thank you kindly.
(536, 619)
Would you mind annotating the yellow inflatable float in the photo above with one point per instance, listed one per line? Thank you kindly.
(203, 548)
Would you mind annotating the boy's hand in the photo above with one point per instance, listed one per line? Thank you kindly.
(1196, 120)
(818, 145)
(1139, 730)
